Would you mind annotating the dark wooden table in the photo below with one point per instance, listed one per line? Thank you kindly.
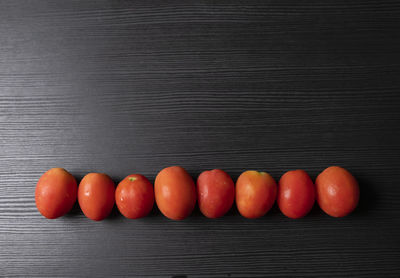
(134, 86)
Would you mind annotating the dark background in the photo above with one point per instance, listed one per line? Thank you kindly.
(127, 87)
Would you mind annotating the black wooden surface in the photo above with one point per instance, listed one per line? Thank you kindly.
(127, 87)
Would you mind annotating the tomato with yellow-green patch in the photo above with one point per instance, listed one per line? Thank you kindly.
(255, 193)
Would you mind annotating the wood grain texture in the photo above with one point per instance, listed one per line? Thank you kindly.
(135, 86)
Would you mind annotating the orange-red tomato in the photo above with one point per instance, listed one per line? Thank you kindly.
(134, 196)
(337, 191)
(296, 194)
(55, 193)
(255, 193)
(215, 193)
(96, 195)
(175, 193)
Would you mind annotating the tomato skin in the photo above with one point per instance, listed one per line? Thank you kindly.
(255, 193)
(134, 196)
(215, 193)
(96, 196)
(175, 193)
(55, 193)
(338, 192)
(296, 194)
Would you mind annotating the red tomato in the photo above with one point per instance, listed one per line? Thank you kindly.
(296, 194)
(215, 192)
(255, 193)
(337, 191)
(96, 195)
(175, 193)
(134, 196)
(55, 193)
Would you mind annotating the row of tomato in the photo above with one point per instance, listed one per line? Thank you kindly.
(175, 193)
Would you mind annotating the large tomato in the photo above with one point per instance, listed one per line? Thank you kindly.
(296, 194)
(255, 193)
(55, 193)
(337, 191)
(215, 192)
(134, 196)
(175, 193)
(96, 195)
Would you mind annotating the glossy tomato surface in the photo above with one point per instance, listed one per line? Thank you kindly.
(337, 191)
(134, 196)
(255, 193)
(55, 193)
(175, 193)
(296, 194)
(96, 195)
(215, 193)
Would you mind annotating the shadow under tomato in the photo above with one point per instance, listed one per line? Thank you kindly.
(75, 211)
(155, 212)
(368, 197)
(315, 211)
(114, 214)
(233, 211)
